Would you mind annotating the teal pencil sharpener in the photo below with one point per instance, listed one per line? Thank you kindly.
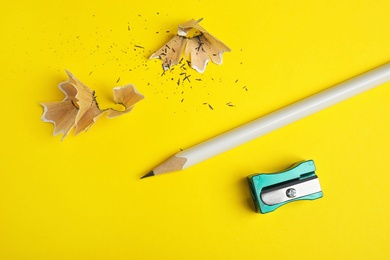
(298, 182)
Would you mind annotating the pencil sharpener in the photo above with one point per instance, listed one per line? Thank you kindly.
(298, 182)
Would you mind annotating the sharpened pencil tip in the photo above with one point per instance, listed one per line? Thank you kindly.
(149, 174)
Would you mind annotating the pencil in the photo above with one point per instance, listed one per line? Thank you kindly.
(273, 121)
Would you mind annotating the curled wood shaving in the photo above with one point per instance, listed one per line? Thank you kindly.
(192, 41)
(80, 110)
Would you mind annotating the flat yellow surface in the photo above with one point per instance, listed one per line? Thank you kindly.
(82, 198)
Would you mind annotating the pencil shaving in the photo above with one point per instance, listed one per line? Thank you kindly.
(80, 110)
(192, 41)
(171, 52)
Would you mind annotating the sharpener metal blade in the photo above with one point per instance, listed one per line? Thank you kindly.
(290, 191)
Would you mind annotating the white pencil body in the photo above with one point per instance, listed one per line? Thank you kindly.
(285, 116)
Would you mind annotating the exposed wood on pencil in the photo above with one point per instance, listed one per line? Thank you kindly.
(175, 163)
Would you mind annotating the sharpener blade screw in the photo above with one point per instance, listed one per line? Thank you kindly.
(291, 193)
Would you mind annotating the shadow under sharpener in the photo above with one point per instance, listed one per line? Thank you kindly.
(298, 182)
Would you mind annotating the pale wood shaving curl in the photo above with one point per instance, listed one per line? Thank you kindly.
(198, 44)
(80, 110)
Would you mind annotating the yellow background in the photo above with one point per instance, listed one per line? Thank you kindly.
(82, 198)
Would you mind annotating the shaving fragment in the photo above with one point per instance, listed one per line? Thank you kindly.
(192, 41)
(80, 110)
(170, 53)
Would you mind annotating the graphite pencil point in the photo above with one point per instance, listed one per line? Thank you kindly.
(149, 174)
